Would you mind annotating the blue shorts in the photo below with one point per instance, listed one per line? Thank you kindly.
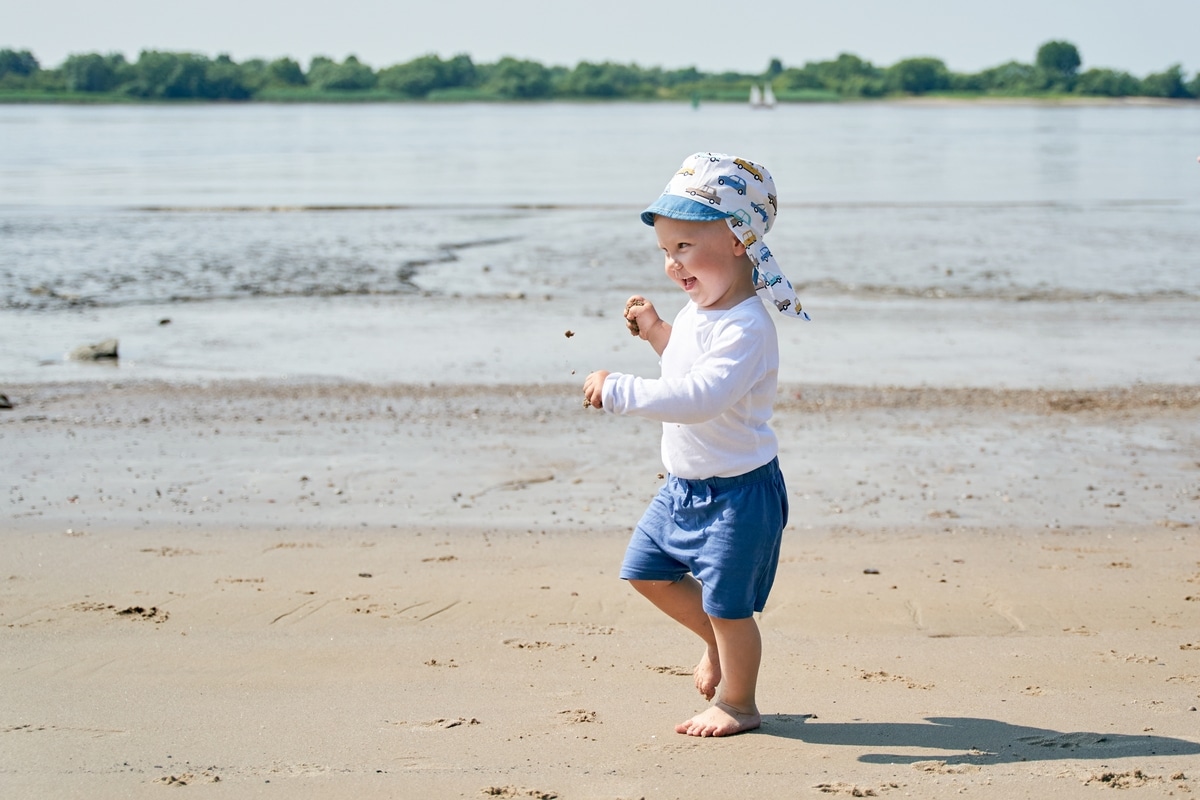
(725, 531)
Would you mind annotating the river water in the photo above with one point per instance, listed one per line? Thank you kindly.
(1007, 245)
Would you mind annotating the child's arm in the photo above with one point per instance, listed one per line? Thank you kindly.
(642, 320)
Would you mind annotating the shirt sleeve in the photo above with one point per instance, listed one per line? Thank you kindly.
(720, 377)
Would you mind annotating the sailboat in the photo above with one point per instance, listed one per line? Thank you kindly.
(762, 98)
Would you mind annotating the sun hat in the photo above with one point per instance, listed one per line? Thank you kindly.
(711, 186)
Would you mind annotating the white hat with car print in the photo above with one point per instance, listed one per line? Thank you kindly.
(716, 186)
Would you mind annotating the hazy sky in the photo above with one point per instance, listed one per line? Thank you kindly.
(1139, 36)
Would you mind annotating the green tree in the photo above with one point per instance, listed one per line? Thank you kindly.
(349, 76)
(800, 79)
(1166, 84)
(1013, 78)
(92, 72)
(285, 72)
(851, 76)
(416, 78)
(918, 76)
(188, 78)
(1107, 83)
(967, 82)
(603, 80)
(1193, 85)
(1060, 62)
(319, 62)
(152, 73)
(517, 79)
(459, 71)
(848, 75)
(679, 77)
(19, 71)
(1059, 58)
(17, 62)
(224, 80)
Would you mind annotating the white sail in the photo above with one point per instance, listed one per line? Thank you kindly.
(768, 96)
(756, 99)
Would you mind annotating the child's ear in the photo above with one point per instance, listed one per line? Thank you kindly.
(739, 249)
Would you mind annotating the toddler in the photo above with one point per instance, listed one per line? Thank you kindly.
(706, 549)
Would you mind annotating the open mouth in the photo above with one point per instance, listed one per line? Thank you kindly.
(689, 284)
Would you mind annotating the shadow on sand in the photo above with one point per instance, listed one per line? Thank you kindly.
(965, 740)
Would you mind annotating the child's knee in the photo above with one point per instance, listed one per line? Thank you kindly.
(647, 587)
(652, 588)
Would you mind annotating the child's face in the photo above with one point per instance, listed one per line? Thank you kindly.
(706, 260)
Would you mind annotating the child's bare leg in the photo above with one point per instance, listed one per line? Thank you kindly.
(740, 648)
(681, 601)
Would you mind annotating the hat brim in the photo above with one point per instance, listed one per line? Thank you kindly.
(682, 208)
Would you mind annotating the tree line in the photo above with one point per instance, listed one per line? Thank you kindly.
(158, 75)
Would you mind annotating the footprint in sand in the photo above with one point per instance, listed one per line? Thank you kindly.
(680, 671)
(884, 677)
(521, 644)
(1067, 741)
(1131, 779)
(586, 628)
(185, 778)
(853, 789)
(686, 746)
(942, 768)
(169, 552)
(453, 723)
(153, 614)
(442, 723)
(1128, 658)
(513, 791)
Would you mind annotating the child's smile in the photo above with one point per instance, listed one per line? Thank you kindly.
(706, 260)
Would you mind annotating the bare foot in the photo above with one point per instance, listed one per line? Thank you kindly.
(707, 674)
(720, 720)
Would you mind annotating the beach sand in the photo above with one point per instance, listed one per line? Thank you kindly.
(333, 590)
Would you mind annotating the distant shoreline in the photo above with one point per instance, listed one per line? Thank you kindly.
(84, 99)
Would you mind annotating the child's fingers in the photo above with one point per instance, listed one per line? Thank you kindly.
(631, 322)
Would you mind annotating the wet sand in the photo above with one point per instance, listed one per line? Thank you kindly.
(333, 589)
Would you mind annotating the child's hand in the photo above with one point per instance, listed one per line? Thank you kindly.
(640, 316)
(593, 389)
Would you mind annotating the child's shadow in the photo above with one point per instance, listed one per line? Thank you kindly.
(966, 740)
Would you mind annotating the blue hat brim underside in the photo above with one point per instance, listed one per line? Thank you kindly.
(682, 208)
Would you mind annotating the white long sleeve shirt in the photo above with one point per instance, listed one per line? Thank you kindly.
(719, 375)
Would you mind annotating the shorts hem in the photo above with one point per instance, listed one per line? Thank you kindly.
(641, 576)
(724, 614)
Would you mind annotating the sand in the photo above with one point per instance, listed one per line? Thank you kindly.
(333, 590)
